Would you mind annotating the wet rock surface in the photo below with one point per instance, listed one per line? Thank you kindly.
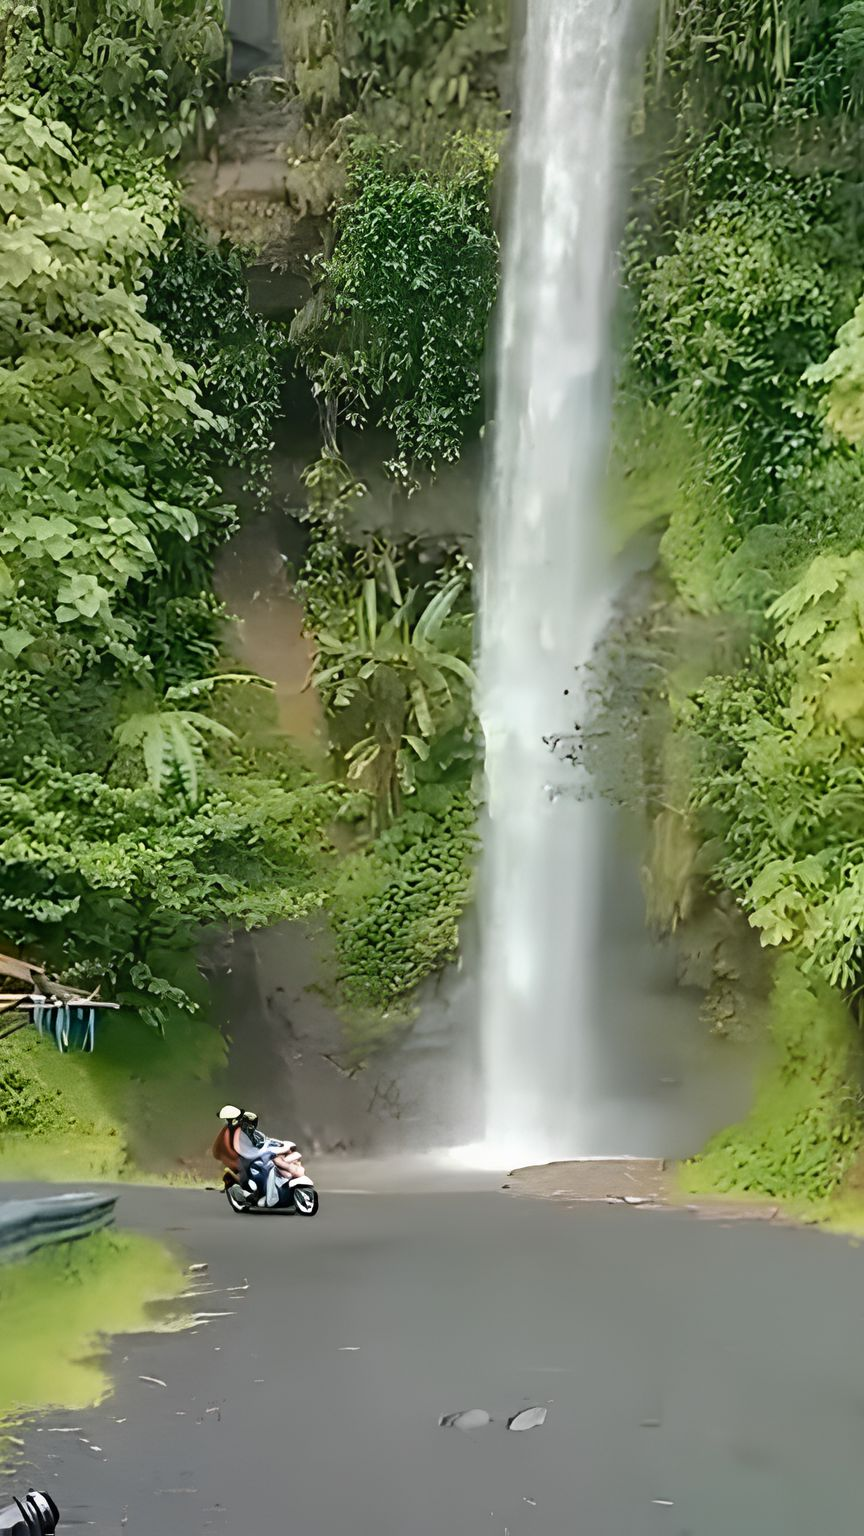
(287, 1053)
(600, 1179)
(634, 1183)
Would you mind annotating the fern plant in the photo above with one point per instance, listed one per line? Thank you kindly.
(172, 740)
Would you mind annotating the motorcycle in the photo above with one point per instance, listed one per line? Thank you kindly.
(263, 1187)
(34, 1515)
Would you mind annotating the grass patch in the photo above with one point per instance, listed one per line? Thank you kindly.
(53, 1120)
(142, 1101)
(58, 1310)
(651, 465)
(802, 1135)
(395, 913)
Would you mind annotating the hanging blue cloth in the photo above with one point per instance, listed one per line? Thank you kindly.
(82, 1027)
(61, 1028)
(71, 1026)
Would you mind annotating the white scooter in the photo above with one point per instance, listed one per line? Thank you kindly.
(264, 1187)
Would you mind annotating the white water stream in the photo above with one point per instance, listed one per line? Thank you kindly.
(546, 589)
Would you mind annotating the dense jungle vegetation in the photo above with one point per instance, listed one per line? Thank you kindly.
(744, 266)
(147, 797)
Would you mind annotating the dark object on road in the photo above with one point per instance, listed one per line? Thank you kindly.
(34, 1515)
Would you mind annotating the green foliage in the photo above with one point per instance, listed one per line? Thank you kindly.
(408, 71)
(396, 678)
(743, 261)
(396, 330)
(135, 811)
(829, 78)
(332, 490)
(819, 627)
(732, 316)
(89, 390)
(394, 337)
(806, 1125)
(172, 740)
(652, 457)
(850, 47)
(109, 881)
(328, 582)
(408, 75)
(428, 66)
(396, 909)
(775, 57)
(109, 524)
(146, 67)
(718, 566)
(843, 370)
(400, 672)
(745, 43)
(780, 781)
(48, 1103)
(140, 1104)
(197, 295)
(24, 1104)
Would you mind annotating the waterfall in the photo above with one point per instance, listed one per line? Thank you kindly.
(545, 588)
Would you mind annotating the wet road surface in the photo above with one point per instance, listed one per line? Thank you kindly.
(700, 1379)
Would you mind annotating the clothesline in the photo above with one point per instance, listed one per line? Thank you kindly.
(35, 1000)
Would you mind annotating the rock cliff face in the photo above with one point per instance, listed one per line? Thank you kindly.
(287, 1050)
(256, 185)
(244, 189)
(253, 27)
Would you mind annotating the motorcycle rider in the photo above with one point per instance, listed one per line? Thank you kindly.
(243, 1149)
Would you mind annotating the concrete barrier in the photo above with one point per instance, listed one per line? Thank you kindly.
(28, 1225)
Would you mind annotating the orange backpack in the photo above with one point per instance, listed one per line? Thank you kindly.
(224, 1150)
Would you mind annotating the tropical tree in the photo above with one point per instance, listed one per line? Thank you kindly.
(398, 675)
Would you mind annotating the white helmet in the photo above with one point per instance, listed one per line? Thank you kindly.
(230, 1112)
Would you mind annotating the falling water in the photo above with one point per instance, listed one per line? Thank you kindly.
(545, 586)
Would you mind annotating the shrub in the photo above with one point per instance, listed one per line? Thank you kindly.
(198, 297)
(805, 1126)
(396, 331)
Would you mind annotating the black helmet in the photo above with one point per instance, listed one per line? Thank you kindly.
(249, 1119)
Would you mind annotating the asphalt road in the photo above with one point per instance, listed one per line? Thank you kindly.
(699, 1378)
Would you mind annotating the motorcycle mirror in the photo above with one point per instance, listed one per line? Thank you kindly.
(35, 1515)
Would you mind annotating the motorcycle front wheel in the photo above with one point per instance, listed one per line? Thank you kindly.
(305, 1200)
